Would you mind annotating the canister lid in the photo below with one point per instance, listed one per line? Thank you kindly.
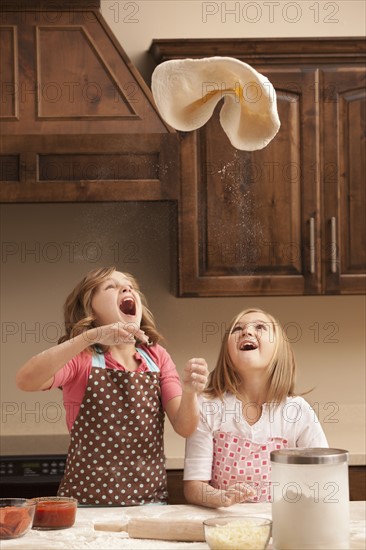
(315, 455)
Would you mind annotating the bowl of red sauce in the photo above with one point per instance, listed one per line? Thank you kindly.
(16, 516)
(54, 512)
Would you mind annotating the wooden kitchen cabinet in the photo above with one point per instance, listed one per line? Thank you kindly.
(78, 122)
(344, 178)
(289, 219)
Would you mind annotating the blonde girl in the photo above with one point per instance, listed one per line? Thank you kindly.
(248, 410)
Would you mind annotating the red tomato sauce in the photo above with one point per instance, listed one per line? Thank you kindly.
(14, 521)
(54, 515)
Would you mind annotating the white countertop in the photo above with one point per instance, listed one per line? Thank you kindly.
(83, 535)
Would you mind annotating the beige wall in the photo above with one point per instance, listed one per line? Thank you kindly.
(137, 23)
(46, 249)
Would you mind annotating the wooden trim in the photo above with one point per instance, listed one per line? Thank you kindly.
(80, 143)
(357, 484)
(50, 5)
(175, 487)
(30, 188)
(283, 51)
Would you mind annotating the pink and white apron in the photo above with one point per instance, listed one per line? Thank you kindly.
(116, 452)
(237, 459)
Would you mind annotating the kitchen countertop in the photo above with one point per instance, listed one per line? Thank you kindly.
(83, 535)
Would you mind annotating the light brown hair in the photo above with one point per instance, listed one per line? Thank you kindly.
(281, 371)
(78, 313)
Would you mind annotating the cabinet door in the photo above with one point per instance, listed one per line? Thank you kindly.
(250, 220)
(344, 169)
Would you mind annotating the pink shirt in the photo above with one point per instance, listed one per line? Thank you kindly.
(73, 378)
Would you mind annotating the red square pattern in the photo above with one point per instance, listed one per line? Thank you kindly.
(251, 466)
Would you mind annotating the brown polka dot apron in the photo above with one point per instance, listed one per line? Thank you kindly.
(116, 452)
(237, 459)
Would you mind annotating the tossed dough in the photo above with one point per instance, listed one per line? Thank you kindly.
(186, 92)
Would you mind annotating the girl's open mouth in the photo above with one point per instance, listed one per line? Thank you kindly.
(128, 306)
(248, 346)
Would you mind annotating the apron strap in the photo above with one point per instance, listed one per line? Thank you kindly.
(98, 360)
(149, 361)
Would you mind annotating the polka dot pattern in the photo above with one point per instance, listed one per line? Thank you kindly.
(116, 453)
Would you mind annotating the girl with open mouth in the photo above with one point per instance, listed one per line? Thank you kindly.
(248, 409)
(118, 382)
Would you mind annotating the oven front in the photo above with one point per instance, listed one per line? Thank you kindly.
(31, 476)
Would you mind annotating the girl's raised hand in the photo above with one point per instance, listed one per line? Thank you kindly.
(195, 375)
(117, 333)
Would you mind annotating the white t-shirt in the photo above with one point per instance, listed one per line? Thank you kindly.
(293, 420)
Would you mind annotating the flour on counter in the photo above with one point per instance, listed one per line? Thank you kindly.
(85, 539)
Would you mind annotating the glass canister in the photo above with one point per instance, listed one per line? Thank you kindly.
(310, 499)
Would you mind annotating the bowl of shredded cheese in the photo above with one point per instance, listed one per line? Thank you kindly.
(237, 532)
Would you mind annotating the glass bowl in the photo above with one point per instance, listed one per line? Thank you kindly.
(237, 532)
(16, 516)
(54, 512)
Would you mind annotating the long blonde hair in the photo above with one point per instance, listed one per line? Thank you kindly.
(281, 371)
(79, 316)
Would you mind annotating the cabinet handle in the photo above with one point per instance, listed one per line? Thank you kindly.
(312, 245)
(333, 244)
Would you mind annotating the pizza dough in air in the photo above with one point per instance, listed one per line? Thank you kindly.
(186, 92)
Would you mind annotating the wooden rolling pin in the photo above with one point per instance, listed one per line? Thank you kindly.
(173, 522)
(153, 528)
(182, 530)
(163, 528)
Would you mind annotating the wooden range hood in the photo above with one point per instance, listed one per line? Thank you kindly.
(77, 121)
